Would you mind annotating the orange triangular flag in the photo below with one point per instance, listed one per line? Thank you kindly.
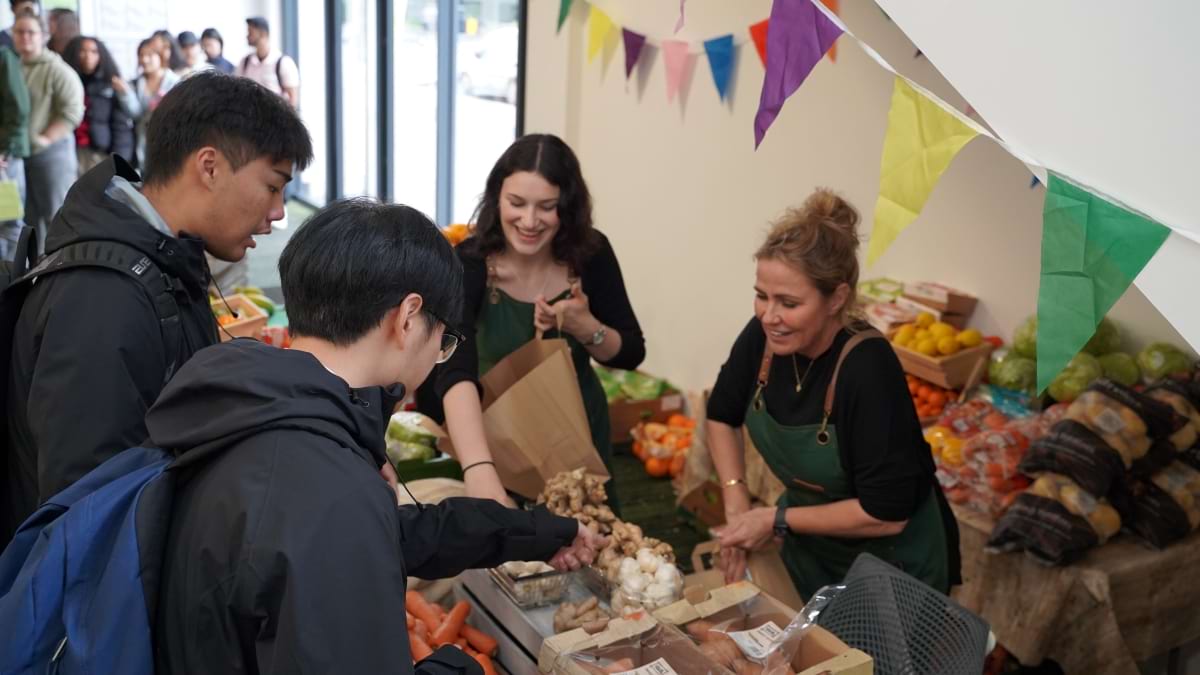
(833, 7)
(758, 32)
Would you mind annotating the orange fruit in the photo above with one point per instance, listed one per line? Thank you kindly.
(658, 468)
(677, 464)
(936, 399)
(923, 392)
(639, 450)
(913, 387)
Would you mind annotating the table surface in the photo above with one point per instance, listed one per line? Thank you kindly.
(1120, 604)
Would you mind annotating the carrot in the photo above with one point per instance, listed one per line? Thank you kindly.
(421, 609)
(485, 662)
(480, 640)
(419, 648)
(410, 620)
(448, 631)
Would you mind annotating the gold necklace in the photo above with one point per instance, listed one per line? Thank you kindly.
(796, 371)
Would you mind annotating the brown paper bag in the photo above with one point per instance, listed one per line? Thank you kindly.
(534, 419)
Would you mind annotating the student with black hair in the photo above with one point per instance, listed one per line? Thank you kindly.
(534, 263)
(95, 344)
(168, 49)
(267, 66)
(141, 97)
(286, 551)
(193, 56)
(214, 48)
(107, 127)
(64, 27)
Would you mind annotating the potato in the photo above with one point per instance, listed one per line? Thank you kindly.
(699, 630)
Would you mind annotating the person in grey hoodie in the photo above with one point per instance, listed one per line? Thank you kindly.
(55, 109)
(14, 140)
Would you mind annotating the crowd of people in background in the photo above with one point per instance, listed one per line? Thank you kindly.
(65, 105)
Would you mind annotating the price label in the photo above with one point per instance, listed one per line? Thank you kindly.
(757, 643)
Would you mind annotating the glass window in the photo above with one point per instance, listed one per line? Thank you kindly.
(486, 107)
(360, 150)
(312, 184)
(414, 165)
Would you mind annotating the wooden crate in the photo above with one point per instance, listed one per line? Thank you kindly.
(251, 318)
(963, 370)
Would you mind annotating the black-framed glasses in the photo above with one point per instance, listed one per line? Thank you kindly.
(451, 338)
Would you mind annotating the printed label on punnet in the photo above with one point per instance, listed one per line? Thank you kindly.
(659, 667)
(757, 643)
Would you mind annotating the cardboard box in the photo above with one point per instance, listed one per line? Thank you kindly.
(962, 371)
(942, 298)
(765, 569)
(624, 414)
(959, 321)
(887, 317)
(705, 503)
(250, 321)
(745, 609)
(639, 638)
(880, 290)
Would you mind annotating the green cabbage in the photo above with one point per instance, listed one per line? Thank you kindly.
(405, 427)
(609, 382)
(1025, 339)
(401, 451)
(1106, 339)
(1120, 367)
(1161, 359)
(1081, 371)
(639, 387)
(1013, 371)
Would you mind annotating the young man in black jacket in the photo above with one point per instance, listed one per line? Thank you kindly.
(287, 551)
(93, 347)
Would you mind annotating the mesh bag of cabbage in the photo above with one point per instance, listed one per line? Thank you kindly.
(907, 627)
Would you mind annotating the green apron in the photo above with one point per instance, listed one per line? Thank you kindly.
(813, 475)
(505, 325)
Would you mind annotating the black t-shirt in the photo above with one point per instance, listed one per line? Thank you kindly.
(882, 448)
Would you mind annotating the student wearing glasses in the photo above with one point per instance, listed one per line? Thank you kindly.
(534, 263)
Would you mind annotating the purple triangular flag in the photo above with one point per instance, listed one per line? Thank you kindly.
(633, 49)
(799, 37)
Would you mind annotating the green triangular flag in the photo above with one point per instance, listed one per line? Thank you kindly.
(563, 10)
(1092, 250)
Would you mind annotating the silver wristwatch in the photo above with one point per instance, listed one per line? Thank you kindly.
(598, 337)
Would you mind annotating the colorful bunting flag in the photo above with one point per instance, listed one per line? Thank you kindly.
(1034, 182)
(758, 33)
(633, 49)
(599, 27)
(675, 55)
(564, 8)
(799, 37)
(679, 22)
(922, 139)
(1092, 250)
(720, 60)
(833, 7)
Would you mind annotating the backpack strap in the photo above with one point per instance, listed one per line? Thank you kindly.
(131, 262)
(855, 340)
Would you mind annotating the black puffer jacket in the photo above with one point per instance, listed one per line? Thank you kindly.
(89, 356)
(287, 552)
(110, 128)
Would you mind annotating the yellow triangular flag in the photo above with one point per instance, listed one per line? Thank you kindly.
(599, 28)
(922, 139)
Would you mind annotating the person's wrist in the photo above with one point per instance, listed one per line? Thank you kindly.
(589, 326)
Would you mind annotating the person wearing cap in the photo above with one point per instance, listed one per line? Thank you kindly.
(269, 67)
(193, 56)
(214, 48)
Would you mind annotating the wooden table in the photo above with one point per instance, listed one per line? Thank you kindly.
(1121, 604)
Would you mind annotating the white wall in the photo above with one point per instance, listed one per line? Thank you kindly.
(685, 199)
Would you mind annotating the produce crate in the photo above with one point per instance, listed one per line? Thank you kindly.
(625, 414)
(962, 371)
(251, 318)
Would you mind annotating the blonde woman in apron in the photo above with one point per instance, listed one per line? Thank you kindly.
(825, 402)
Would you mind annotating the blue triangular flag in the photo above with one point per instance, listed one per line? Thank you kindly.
(720, 59)
(1034, 183)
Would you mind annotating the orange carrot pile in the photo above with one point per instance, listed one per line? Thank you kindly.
(430, 627)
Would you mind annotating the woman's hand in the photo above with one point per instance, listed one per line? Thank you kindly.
(581, 552)
(573, 313)
(484, 483)
(118, 85)
(750, 531)
(733, 563)
(389, 476)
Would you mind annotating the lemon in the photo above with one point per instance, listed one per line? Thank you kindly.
(947, 345)
(902, 340)
(940, 330)
(921, 335)
(970, 338)
(906, 332)
(928, 347)
(925, 320)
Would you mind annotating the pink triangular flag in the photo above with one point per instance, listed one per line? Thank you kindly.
(675, 53)
(633, 49)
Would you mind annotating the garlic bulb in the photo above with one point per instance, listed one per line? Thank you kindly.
(658, 595)
(648, 560)
(668, 575)
(629, 567)
(634, 585)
